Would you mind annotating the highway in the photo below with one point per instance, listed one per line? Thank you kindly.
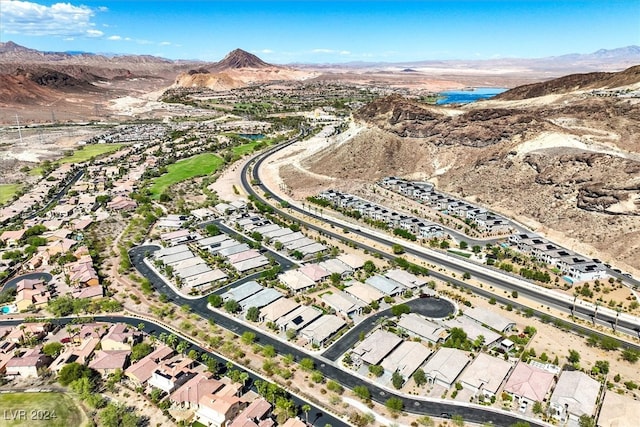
(325, 363)
(605, 317)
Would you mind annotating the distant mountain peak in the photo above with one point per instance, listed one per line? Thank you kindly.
(239, 58)
(10, 46)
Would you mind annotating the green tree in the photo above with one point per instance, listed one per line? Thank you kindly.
(74, 371)
(232, 306)
(362, 392)
(212, 229)
(306, 408)
(215, 300)
(574, 356)
(400, 309)
(602, 366)
(630, 355)
(248, 337)
(369, 267)
(182, 347)
(269, 351)
(307, 364)
(537, 407)
(253, 314)
(586, 421)
(138, 351)
(394, 404)
(335, 387)
(317, 377)
(376, 370)
(463, 244)
(52, 349)
(458, 420)
(335, 279)
(397, 380)
(397, 249)
(117, 415)
(419, 377)
(609, 343)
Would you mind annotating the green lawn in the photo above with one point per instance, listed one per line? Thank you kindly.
(37, 171)
(88, 151)
(464, 254)
(7, 191)
(241, 150)
(60, 408)
(200, 165)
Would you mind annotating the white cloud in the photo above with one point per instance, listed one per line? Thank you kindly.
(59, 19)
(114, 38)
(165, 43)
(266, 51)
(345, 52)
(323, 51)
(94, 33)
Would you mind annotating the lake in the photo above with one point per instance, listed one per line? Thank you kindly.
(467, 96)
(251, 136)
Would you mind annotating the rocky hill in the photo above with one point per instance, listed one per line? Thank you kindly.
(441, 126)
(238, 68)
(569, 167)
(574, 82)
(236, 59)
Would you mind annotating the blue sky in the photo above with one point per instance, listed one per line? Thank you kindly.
(324, 31)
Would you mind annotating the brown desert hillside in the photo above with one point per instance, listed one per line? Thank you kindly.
(574, 82)
(237, 69)
(569, 169)
(238, 58)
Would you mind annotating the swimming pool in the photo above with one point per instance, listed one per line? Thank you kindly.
(7, 309)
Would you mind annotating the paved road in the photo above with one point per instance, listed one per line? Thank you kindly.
(317, 416)
(285, 263)
(450, 263)
(429, 307)
(331, 370)
(59, 195)
(46, 277)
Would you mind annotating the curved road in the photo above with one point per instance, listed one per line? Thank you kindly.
(450, 263)
(330, 369)
(46, 277)
(317, 416)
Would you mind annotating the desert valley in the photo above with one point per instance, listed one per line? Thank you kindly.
(346, 236)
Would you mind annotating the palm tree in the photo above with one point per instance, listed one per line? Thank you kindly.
(617, 315)
(182, 347)
(595, 313)
(575, 297)
(243, 378)
(306, 408)
(163, 337)
(141, 326)
(172, 340)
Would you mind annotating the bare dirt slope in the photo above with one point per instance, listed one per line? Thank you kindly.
(569, 166)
